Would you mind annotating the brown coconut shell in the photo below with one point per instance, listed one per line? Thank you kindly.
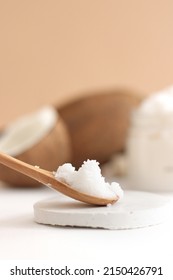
(53, 150)
(98, 123)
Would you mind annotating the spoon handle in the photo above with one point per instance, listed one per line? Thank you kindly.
(46, 177)
(34, 172)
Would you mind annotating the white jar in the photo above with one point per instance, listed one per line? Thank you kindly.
(150, 152)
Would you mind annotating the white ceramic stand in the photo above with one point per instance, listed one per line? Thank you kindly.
(137, 209)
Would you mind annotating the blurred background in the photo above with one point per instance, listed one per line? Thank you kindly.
(52, 51)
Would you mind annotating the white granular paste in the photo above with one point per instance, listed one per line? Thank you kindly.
(88, 179)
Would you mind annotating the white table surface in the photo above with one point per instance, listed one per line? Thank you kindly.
(22, 238)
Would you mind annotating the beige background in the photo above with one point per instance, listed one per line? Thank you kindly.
(53, 50)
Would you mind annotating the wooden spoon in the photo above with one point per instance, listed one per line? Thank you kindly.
(47, 178)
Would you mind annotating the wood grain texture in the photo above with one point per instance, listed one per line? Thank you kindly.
(98, 123)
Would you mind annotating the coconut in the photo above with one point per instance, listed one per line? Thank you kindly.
(40, 138)
(98, 123)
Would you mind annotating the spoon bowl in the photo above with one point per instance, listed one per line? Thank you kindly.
(47, 178)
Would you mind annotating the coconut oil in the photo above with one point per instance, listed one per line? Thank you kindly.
(88, 179)
(150, 144)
